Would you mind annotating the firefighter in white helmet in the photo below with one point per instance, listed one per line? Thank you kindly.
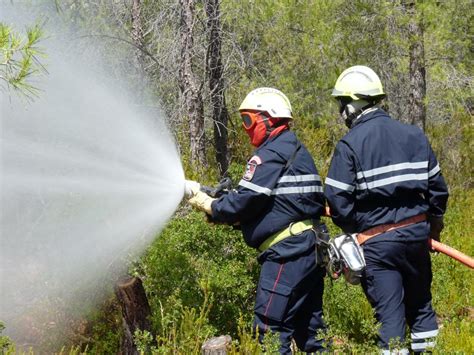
(385, 184)
(278, 204)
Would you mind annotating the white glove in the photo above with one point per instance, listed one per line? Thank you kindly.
(202, 201)
(191, 188)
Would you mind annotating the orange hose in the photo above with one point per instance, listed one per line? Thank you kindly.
(327, 212)
(451, 252)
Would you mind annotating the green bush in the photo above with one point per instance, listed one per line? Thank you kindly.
(190, 252)
(6, 345)
(453, 283)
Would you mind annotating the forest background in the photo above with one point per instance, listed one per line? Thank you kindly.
(199, 60)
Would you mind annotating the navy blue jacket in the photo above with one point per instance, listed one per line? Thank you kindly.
(383, 171)
(271, 194)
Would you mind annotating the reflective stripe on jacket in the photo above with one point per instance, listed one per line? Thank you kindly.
(383, 171)
(274, 195)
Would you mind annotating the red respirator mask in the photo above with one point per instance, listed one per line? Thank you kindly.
(259, 126)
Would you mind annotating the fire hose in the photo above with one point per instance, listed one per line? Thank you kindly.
(451, 252)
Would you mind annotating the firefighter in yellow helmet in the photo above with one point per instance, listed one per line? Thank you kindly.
(357, 89)
(278, 204)
(385, 184)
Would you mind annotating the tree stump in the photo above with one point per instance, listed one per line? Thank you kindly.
(216, 346)
(135, 311)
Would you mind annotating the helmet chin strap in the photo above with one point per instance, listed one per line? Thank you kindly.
(270, 128)
(354, 109)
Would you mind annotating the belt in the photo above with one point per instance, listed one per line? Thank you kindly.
(372, 232)
(294, 228)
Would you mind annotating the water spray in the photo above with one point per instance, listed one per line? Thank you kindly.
(89, 176)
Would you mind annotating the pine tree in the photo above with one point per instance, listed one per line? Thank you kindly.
(19, 59)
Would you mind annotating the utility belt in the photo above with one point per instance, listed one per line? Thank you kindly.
(295, 228)
(319, 230)
(375, 231)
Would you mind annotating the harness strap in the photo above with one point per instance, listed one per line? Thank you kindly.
(293, 156)
(383, 228)
(294, 228)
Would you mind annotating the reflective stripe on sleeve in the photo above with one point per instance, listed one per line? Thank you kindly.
(339, 185)
(296, 190)
(424, 335)
(434, 171)
(391, 180)
(256, 188)
(280, 190)
(391, 168)
(423, 346)
(299, 178)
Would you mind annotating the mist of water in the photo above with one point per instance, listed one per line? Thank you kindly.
(87, 177)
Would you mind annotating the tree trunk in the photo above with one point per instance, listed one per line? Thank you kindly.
(190, 87)
(137, 31)
(135, 311)
(416, 103)
(215, 71)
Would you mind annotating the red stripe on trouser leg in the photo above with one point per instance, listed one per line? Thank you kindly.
(271, 296)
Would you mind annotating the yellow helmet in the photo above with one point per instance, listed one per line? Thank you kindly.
(358, 82)
(270, 100)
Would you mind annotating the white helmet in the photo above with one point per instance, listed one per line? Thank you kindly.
(270, 100)
(358, 82)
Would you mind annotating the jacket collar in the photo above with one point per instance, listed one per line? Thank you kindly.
(366, 115)
(271, 139)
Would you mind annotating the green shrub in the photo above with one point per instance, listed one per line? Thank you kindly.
(6, 345)
(186, 254)
(348, 314)
(456, 337)
(184, 333)
(453, 283)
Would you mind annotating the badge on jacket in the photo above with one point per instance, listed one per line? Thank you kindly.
(251, 167)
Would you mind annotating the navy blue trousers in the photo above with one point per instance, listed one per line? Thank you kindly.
(289, 299)
(397, 283)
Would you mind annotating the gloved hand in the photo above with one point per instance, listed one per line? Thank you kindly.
(202, 202)
(191, 188)
(436, 226)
